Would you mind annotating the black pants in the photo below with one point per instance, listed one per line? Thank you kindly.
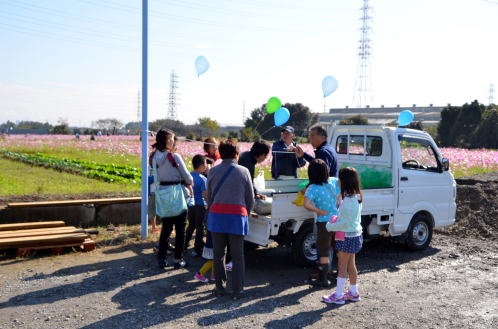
(166, 229)
(196, 222)
(236, 243)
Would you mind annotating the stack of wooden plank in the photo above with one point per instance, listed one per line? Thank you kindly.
(53, 235)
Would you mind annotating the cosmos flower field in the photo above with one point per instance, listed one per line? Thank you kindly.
(126, 151)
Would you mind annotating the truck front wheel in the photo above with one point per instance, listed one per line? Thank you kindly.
(304, 246)
(419, 233)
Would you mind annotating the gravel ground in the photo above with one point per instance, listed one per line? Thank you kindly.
(452, 284)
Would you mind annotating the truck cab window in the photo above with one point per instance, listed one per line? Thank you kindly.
(417, 154)
(374, 146)
(356, 144)
(341, 146)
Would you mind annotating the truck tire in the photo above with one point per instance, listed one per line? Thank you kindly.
(419, 233)
(304, 247)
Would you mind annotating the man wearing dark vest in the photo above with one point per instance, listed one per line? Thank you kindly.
(284, 162)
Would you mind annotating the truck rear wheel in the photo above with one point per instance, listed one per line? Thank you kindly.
(419, 233)
(304, 247)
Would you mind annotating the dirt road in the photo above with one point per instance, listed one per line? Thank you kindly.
(452, 284)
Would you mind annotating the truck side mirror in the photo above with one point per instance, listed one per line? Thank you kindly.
(445, 163)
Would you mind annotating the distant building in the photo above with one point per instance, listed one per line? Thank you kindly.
(229, 128)
(428, 115)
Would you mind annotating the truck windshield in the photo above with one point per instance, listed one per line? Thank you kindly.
(418, 154)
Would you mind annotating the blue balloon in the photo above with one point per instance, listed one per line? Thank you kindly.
(201, 65)
(329, 85)
(405, 118)
(281, 116)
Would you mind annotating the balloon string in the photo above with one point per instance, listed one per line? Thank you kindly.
(255, 128)
(267, 131)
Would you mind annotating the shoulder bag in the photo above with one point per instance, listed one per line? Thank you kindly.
(170, 199)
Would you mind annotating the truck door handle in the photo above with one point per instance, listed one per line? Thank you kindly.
(404, 178)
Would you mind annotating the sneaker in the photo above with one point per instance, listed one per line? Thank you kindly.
(180, 264)
(333, 299)
(350, 296)
(162, 263)
(228, 266)
(201, 278)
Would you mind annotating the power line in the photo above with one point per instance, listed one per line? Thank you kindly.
(63, 27)
(249, 17)
(55, 36)
(56, 12)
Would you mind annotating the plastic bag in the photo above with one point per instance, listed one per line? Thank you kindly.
(299, 201)
(259, 182)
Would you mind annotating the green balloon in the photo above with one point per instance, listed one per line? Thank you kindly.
(273, 104)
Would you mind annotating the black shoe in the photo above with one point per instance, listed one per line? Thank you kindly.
(320, 283)
(180, 264)
(163, 263)
(219, 292)
(239, 295)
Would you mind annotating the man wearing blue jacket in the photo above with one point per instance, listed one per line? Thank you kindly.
(323, 150)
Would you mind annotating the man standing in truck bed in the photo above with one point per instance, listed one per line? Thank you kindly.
(284, 162)
(323, 150)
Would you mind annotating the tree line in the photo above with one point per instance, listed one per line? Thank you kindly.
(259, 125)
(468, 126)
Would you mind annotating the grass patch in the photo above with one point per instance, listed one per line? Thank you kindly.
(103, 171)
(19, 179)
(459, 173)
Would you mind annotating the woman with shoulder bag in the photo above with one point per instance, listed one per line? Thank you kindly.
(171, 174)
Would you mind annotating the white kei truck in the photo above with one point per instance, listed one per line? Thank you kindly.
(407, 188)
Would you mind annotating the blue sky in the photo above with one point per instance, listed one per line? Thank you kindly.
(80, 60)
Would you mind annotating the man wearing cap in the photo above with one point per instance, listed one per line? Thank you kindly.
(284, 161)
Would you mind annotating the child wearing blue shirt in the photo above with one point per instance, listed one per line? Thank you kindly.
(197, 211)
(322, 197)
(349, 221)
